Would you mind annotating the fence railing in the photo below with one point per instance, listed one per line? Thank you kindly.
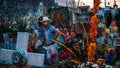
(9, 42)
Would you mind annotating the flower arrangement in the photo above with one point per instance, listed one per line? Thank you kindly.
(110, 56)
(91, 52)
(19, 58)
(94, 20)
(65, 47)
(93, 29)
(68, 36)
(64, 55)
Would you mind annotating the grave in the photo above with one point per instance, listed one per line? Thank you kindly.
(34, 59)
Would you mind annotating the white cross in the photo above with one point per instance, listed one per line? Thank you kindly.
(34, 59)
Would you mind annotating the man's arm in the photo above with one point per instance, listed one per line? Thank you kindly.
(56, 33)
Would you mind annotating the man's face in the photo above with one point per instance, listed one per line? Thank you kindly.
(46, 23)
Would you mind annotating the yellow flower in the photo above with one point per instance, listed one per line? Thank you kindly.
(107, 31)
(115, 28)
(77, 47)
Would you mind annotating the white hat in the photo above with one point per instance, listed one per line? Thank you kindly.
(45, 19)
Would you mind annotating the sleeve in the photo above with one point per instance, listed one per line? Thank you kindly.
(52, 28)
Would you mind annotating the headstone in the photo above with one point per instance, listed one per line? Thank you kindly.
(6, 55)
(35, 59)
(22, 42)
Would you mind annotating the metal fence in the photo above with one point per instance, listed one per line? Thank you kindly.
(9, 42)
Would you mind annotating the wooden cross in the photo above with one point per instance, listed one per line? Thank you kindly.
(34, 59)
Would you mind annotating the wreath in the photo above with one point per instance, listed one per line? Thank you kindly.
(19, 57)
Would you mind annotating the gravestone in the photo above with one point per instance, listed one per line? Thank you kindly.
(22, 42)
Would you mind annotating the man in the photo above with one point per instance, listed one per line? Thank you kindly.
(50, 33)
